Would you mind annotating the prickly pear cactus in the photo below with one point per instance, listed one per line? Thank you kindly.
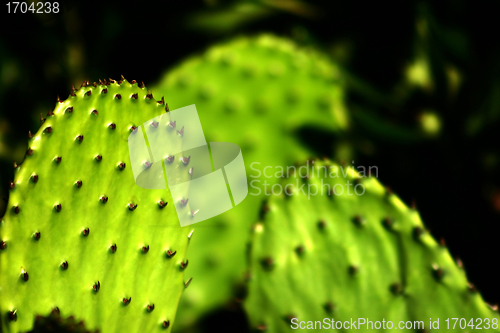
(258, 93)
(79, 236)
(356, 252)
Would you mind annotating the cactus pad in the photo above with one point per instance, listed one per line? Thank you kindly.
(79, 236)
(353, 256)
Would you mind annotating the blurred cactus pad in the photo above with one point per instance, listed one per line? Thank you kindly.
(257, 92)
(79, 236)
(353, 250)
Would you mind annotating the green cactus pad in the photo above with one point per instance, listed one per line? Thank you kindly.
(353, 256)
(256, 92)
(79, 235)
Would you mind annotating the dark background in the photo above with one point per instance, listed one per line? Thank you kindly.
(452, 175)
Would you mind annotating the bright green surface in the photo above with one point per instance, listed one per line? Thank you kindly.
(148, 278)
(256, 92)
(353, 263)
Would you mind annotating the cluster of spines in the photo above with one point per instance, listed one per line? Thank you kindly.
(79, 138)
(79, 183)
(359, 221)
(96, 287)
